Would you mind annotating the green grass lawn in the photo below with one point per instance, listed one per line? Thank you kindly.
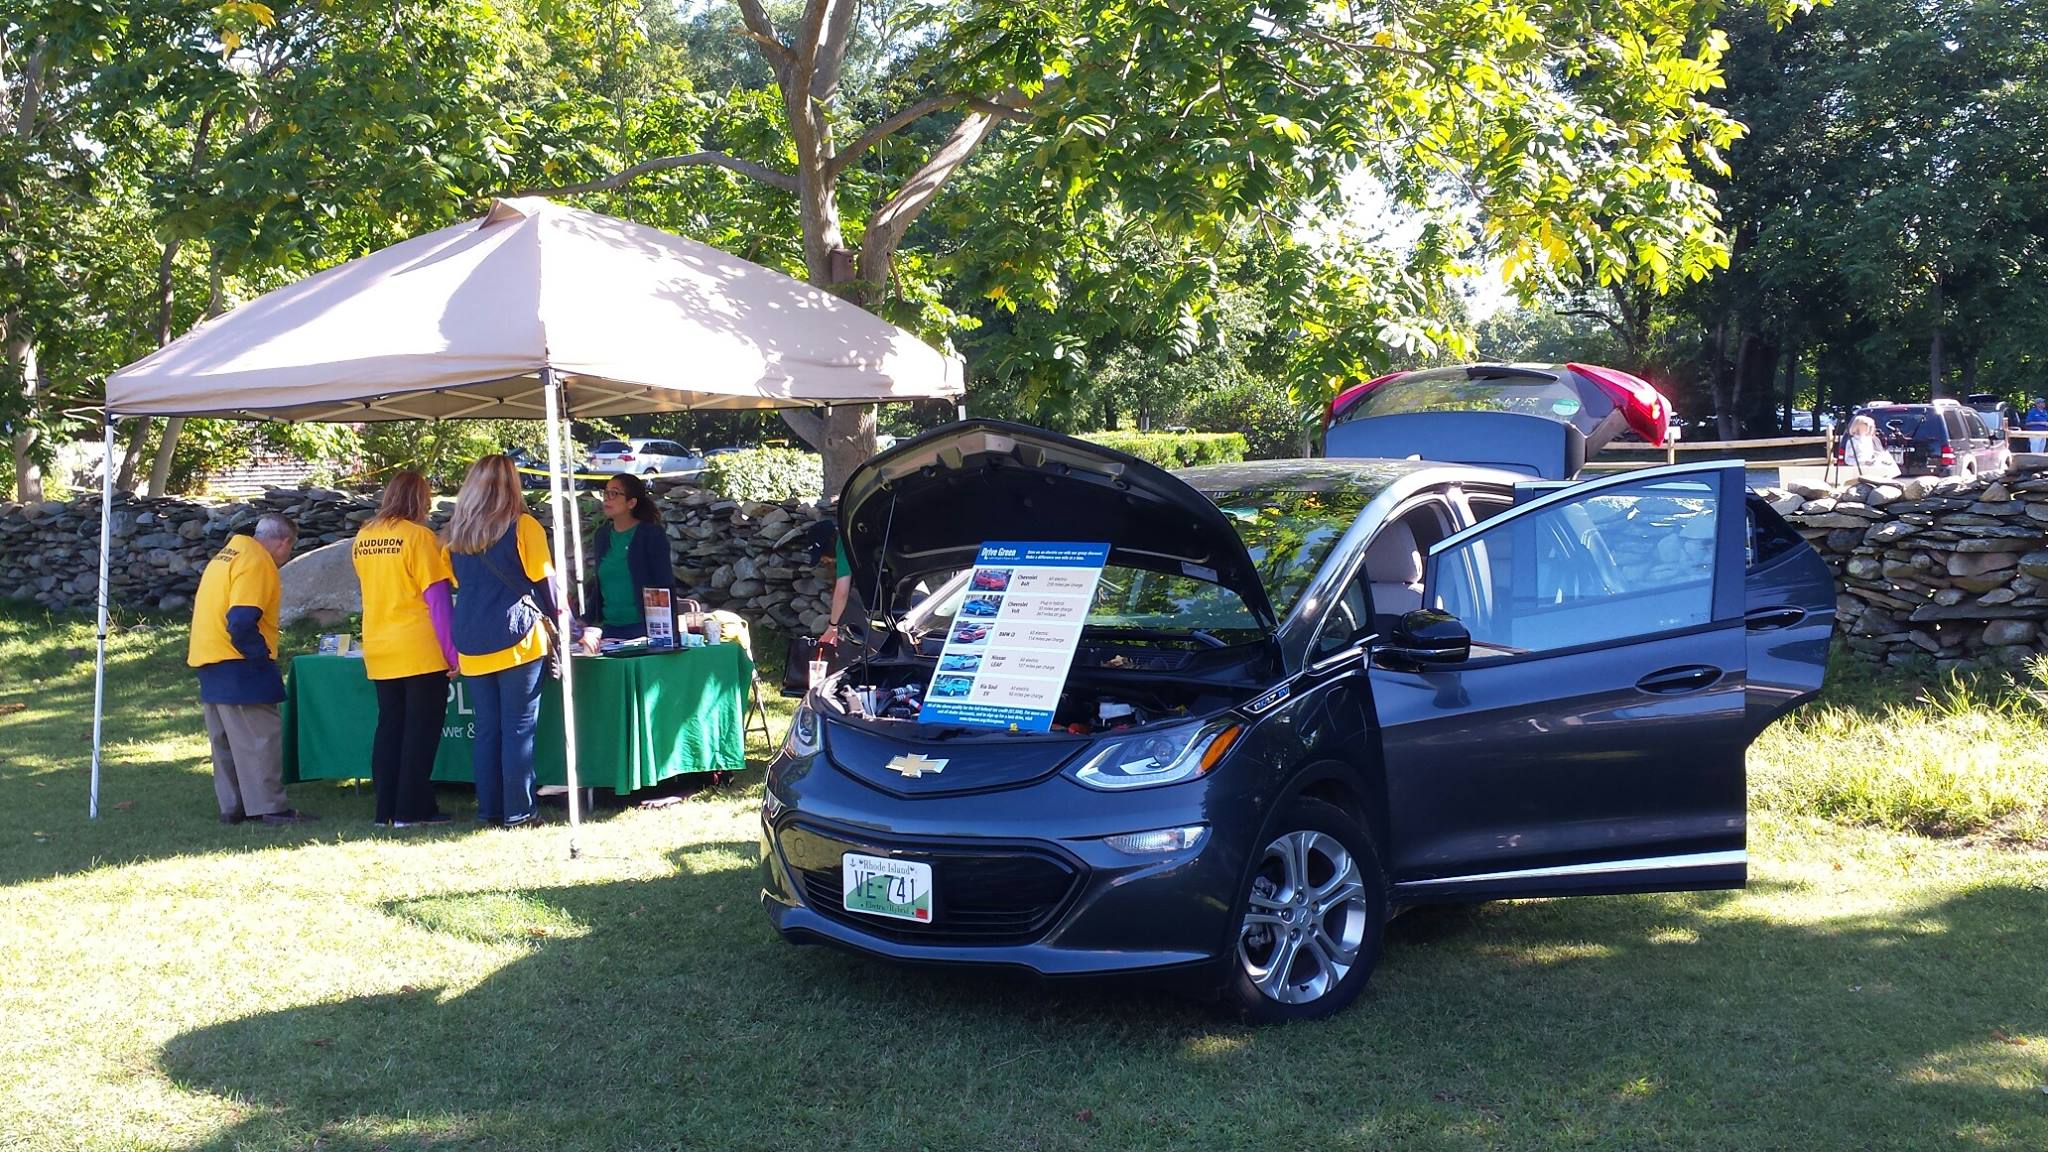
(167, 982)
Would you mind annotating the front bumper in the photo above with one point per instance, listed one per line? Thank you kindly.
(1050, 906)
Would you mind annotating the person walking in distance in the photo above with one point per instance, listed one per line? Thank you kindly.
(233, 649)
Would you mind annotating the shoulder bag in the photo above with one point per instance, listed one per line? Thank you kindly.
(547, 622)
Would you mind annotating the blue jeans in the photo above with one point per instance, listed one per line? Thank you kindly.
(507, 707)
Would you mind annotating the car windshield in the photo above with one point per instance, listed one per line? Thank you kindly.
(1290, 515)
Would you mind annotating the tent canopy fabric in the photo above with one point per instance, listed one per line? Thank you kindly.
(460, 322)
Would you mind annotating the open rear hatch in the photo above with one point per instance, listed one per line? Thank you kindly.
(1540, 421)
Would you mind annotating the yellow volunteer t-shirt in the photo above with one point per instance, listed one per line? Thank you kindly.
(533, 557)
(240, 575)
(396, 561)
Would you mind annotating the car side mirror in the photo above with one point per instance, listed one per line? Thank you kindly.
(1428, 637)
(1998, 433)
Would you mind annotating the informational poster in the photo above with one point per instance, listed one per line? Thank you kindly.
(659, 613)
(1014, 635)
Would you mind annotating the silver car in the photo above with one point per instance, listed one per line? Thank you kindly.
(643, 456)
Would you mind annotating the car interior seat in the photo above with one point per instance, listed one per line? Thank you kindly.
(1393, 567)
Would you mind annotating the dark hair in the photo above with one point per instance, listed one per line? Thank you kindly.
(636, 491)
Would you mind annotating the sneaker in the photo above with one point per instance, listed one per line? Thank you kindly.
(531, 819)
(232, 817)
(288, 816)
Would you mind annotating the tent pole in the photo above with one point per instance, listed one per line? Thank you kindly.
(99, 664)
(575, 504)
(564, 627)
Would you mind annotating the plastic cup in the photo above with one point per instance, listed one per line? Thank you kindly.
(819, 671)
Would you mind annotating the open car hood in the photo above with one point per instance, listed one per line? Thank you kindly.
(1539, 420)
(924, 508)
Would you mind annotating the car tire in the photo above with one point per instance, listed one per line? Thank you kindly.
(1317, 877)
(651, 472)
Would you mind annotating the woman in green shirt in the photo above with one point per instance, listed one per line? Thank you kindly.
(632, 554)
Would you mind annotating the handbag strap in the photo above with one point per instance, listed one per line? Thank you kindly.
(525, 596)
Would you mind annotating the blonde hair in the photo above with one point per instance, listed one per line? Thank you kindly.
(486, 508)
(406, 497)
(1863, 425)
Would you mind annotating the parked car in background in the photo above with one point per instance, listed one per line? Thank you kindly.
(1942, 438)
(1995, 410)
(643, 456)
(1305, 693)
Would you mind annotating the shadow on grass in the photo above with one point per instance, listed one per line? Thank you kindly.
(665, 1013)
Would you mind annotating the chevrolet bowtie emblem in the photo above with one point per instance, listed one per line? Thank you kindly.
(914, 766)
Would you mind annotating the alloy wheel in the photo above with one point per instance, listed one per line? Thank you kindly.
(1307, 919)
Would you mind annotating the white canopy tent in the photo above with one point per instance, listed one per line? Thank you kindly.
(537, 311)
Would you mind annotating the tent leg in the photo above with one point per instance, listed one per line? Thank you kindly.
(552, 390)
(99, 664)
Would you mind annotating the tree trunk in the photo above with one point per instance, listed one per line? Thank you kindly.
(160, 468)
(131, 456)
(1966, 373)
(20, 351)
(1934, 349)
(1791, 387)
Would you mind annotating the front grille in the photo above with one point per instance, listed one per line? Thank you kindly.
(995, 894)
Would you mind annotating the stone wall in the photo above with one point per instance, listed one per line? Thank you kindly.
(1947, 570)
(745, 556)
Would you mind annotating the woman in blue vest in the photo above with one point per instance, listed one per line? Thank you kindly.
(504, 583)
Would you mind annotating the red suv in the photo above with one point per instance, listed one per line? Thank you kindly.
(1939, 439)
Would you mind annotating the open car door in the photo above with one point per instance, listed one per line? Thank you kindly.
(1541, 421)
(1593, 739)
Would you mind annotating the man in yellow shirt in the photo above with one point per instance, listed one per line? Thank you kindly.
(234, 650)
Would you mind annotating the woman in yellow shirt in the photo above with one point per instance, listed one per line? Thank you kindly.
(408, 648)
(500, 558)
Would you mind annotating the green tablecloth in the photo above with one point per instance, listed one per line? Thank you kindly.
(639, 719)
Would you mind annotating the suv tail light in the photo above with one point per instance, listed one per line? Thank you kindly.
(1647, 411)
(625, 457)
(1948, 455)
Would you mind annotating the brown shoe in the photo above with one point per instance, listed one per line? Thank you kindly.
(288, 816)
(232, 817)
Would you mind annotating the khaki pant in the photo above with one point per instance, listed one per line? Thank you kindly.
(248, 758)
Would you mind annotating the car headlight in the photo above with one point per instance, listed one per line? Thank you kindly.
(1160, 756)
(802, 738)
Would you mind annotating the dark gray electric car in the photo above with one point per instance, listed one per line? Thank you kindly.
(1308, 692)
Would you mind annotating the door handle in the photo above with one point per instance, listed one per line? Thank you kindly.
(1679, 681)
(1771, 619)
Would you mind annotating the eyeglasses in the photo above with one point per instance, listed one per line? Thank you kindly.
(615, 492)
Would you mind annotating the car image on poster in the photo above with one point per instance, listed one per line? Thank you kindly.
(1005, 664)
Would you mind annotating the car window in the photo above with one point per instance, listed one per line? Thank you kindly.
(1975, 424)
(1624, 561)
(610, 447)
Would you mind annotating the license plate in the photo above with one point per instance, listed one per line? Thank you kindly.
(879, 886)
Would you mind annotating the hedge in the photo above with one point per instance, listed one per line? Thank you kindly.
(1174, 449)
(768, 474)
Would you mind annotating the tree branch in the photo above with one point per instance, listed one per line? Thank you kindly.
(905, 117)
(1608, 319)
(807, 38)
(761, 172)
(761, 30)
(886, 227)
(901, 119)
(831, 54)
